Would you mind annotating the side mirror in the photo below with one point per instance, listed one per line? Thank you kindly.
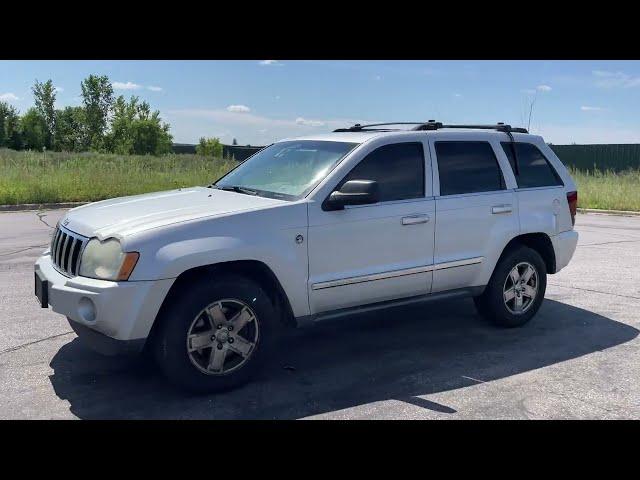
(353, 192)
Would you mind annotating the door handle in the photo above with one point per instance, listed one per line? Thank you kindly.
(501, 209)
(415, 219)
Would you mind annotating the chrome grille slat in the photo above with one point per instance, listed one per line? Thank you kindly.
(63, 252)
(66, 248)
(75, 256)
(62, 248)
(70, 254)
(56, 259)
(54, 245)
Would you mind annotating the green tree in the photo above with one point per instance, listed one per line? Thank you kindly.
(33, 129)
(135, 129)
(44, 95)
(210, 147)
(70, 134)
(13, 137)
(4, 110)
(97, 98)
(9, 127)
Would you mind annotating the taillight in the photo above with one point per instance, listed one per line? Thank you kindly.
(572, 199)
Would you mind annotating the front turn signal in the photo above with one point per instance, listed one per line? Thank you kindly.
(128, 264)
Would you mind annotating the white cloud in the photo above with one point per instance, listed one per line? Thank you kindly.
(126, 86)
(607, 79)
(457, 95)
(188, 125)
(135, 86)
(539, 88)
(586, 108)
(270, 63)
(58, 89)
(8, 97)
(309, 123)
(238, 109)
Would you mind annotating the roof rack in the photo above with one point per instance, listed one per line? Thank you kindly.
(359, 128)
(432, 125)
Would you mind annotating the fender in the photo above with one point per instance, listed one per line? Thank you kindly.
(267, 236)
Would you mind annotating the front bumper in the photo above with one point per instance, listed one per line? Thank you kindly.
(564, 245)
(120, 311)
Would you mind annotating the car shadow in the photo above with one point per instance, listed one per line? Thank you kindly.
(402, 354)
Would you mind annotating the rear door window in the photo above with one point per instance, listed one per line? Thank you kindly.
(468, 167)
(534, 170)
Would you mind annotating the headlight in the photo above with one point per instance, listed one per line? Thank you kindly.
(106, 260)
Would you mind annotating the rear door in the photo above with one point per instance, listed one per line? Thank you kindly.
(476, 211)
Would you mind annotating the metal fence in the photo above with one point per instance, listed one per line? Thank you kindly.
(237, 152)
(616, 157)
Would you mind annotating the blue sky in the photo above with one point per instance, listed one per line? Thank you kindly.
(259, 101)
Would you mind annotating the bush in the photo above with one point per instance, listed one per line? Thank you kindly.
(209, 147)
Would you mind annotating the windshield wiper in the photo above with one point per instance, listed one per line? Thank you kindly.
(237, 189)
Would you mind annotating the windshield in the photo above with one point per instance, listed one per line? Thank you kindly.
(286, 170)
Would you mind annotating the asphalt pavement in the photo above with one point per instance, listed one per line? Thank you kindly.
(578, 358)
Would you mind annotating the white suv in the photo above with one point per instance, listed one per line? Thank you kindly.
(311, 229)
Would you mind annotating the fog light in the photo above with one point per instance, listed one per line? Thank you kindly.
(87, 309)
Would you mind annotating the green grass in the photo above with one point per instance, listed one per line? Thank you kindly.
(608, 190)
(35, 177)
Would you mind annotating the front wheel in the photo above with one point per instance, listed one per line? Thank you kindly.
(214, 337)
(516, 288)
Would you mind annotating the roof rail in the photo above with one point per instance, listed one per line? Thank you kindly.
(500, 126)
(359, 128)
(431, 125)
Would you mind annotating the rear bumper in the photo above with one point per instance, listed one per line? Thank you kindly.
(121, 311)
(564, 245)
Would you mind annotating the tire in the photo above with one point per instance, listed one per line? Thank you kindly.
(504, 310)
(196, 311)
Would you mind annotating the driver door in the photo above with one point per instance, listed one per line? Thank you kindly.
(372, 253)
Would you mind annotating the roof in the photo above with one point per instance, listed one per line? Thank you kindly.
(357, 137)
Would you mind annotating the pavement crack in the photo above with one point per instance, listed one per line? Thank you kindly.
(41, 216)
(473, 379)
(23, 250)
(607, 243)
(594, 291)
(18, 347)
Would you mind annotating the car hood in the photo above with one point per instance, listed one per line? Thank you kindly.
(124, 216)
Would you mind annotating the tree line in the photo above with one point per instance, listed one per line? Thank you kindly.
(101, 123)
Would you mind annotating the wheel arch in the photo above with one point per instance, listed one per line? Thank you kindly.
(253, 269)
(538, 241)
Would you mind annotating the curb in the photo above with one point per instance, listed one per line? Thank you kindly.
(39, 206)
(624, 213)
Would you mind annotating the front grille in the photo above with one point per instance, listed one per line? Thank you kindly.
(66, 248)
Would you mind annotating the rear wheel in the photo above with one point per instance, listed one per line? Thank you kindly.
(214, 337)
(516, 288)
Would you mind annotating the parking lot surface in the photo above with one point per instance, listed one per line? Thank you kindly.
(578, 358)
